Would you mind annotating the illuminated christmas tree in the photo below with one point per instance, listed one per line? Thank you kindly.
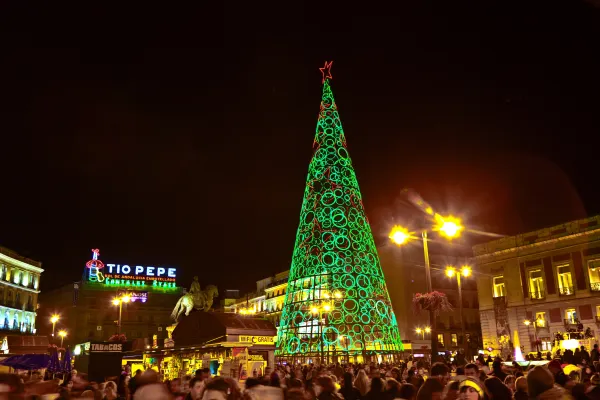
(337, 305)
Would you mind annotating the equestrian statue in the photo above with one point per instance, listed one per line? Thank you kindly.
(196, 298)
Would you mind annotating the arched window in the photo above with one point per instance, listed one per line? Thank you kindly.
(6, 319)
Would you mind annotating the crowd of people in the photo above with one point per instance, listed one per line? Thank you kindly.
(566, 376)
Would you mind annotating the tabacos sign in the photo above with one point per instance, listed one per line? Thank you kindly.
(124, 275)
(106, 347)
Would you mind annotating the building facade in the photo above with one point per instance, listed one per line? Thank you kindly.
(404, 272)
(19, 290)
(267, 300)
(540, 284)
(86, 308)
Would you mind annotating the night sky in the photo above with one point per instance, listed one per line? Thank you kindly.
(181, 136)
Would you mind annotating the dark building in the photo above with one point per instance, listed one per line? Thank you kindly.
(88, 311)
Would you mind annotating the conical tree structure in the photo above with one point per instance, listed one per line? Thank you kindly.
(337, 305)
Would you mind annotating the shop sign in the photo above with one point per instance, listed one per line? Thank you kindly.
(257, 339)
(124, 275)
(106, 347)
(256, 357)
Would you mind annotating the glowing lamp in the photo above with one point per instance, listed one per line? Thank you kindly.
(466, 271)
(54, 319)
(62, 333)
(116, 302)
(126, 299)
(314, 310)
(450, 272)
(399, 235)
(527, 322)
(418, 330)
(427, 329)
(450, 227)
(327, 307)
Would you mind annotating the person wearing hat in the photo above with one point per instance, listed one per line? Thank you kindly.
(540, 385)
(470, 389)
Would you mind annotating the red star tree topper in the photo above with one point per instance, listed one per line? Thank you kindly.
(326, 71)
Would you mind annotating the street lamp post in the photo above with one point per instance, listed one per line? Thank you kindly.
(62, 335)
(466, 272)
(528, 324)
(118, 301)
(54, 319)
(450, 227)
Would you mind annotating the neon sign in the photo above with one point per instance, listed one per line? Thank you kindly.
(120, 275)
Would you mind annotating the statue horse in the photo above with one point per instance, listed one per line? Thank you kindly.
(202, 302)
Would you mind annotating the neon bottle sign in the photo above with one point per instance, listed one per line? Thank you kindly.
(120, 275)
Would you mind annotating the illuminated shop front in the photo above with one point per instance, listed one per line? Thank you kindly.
(229, 344)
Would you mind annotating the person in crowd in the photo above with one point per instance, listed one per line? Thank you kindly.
(392, 388)
(348, 390)
(595, 355)
(376, 392)
(497, 370)
(451, 390)
(434, 386)
(540, 385)
(471, 370)
(407, 392)
(509, 382)
(110, 391)
(361, 382)
(496, 389)
(196, 387)
(221, 389)
(557, 372)
(325, 389)
(470, 389)
(521, 389)
(152, 391)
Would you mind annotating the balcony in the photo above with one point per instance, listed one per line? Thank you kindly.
(570, 322)
(537, 295)
(566, 291)
(595, 287)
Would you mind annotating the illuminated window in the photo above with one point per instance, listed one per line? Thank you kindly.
(441, 339)
(499, 288)
(546, 345)
(594, 273)
(454, 339)
(565, 280)
(540, 319)
(536, 284)
(571, 316)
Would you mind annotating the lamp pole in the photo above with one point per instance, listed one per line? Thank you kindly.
(460, 314)
(432, 322)
(118, 301)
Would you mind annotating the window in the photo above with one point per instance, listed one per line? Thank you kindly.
(454, 339)
(441, 339)
(536, 284)
(571, 316)
(499, 288)
(594, 273)
(546, 345)
(565, 280)
(540, 319)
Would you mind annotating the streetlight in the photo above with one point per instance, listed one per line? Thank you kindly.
(319, 310)
(54, 319)
(423, 331)
(466, 272)
(62, 335)
(118, 301)
(528, 323)
(450, 227)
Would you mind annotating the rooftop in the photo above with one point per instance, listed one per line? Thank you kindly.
(554, 232)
